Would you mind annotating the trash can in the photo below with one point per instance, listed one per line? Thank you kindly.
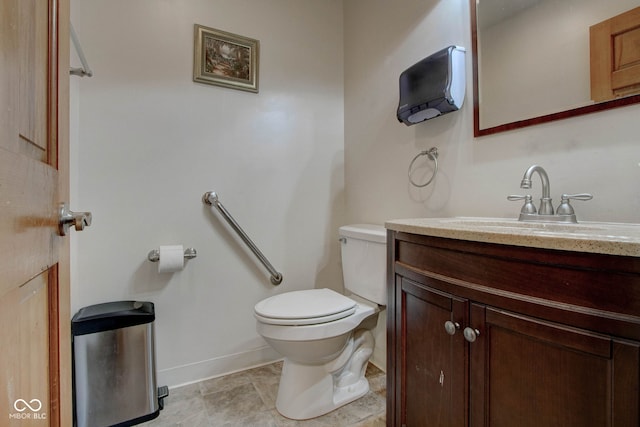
(114, 365)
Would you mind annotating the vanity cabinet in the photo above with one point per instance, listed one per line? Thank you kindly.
(485, 334)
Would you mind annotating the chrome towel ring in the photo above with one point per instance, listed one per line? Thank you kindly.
(432, 153)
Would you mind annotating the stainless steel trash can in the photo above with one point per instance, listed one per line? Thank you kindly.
(114, 365)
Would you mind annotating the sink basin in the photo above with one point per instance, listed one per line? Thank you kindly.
(597, 237)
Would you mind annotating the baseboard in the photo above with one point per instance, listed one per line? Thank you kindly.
(380, 364)
(193, 372)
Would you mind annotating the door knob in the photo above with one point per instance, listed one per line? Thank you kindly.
(67, 218)
(451, 327)
(470, 334)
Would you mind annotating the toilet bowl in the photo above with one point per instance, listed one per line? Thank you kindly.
(320, 332)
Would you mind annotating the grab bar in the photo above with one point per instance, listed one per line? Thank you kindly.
(211, 198)
(85, 70)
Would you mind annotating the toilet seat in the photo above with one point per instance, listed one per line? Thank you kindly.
(308, 307)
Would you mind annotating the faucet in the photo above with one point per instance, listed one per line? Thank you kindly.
(545, 213)
(546, 208)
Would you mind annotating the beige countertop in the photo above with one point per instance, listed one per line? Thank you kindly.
(595, 237)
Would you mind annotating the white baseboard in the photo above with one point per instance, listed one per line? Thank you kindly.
(193, 372)
(178, 376)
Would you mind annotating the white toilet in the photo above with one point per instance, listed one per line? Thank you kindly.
(320, 332)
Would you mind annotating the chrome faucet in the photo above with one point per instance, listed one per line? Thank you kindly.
(545, 213)
(546, 208)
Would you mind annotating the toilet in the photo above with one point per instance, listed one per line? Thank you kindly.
(321, 334)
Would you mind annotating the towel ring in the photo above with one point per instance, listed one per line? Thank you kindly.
(432, 153)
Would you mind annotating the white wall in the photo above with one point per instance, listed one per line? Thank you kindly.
(148, 143)
(597, 153)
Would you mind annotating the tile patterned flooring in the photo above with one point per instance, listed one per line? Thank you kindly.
(247, 399)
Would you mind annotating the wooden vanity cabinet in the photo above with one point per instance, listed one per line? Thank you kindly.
(555, 335)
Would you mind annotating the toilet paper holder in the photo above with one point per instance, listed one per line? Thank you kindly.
(189, 253)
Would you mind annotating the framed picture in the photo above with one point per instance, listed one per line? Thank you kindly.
(225, 59)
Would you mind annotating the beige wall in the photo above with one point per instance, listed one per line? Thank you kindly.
(597, 153)
(148, 142)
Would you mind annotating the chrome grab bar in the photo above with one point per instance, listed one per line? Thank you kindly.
(85, 70)
(211, 198)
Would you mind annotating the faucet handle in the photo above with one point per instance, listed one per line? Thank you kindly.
(565, 207)
(528, 207)
(579, 196)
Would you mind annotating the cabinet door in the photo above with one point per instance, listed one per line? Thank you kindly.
(433, 362)
(615, 57)
(528, 372)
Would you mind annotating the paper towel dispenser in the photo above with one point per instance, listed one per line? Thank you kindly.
(433, 86)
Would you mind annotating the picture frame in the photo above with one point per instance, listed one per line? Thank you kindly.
(225, 59)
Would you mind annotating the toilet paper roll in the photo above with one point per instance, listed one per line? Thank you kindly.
(171, 259)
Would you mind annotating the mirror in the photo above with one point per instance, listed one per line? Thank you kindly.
(531, 60)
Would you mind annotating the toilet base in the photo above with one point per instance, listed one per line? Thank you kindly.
(309, 391)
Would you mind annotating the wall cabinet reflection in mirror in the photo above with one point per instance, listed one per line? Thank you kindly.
(531, 60)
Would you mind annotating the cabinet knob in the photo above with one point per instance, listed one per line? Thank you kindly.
(470, 334)
(451, 327)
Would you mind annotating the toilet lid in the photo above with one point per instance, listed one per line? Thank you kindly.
(307, 307)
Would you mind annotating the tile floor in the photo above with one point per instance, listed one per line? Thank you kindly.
(247, 399)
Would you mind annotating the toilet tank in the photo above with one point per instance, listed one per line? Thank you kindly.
(364, 261)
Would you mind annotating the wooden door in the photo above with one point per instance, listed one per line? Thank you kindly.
(35, 360)
(433, 361)
(529, 372)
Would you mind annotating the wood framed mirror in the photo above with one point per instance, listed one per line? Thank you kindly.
(532, 59)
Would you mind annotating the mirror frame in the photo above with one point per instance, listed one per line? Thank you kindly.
(591, 108)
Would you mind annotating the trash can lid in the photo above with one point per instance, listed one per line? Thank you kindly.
(111, 315)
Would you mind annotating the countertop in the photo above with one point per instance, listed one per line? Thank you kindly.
(594, 237)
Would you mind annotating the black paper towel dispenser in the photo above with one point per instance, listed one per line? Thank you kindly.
(433, 86)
